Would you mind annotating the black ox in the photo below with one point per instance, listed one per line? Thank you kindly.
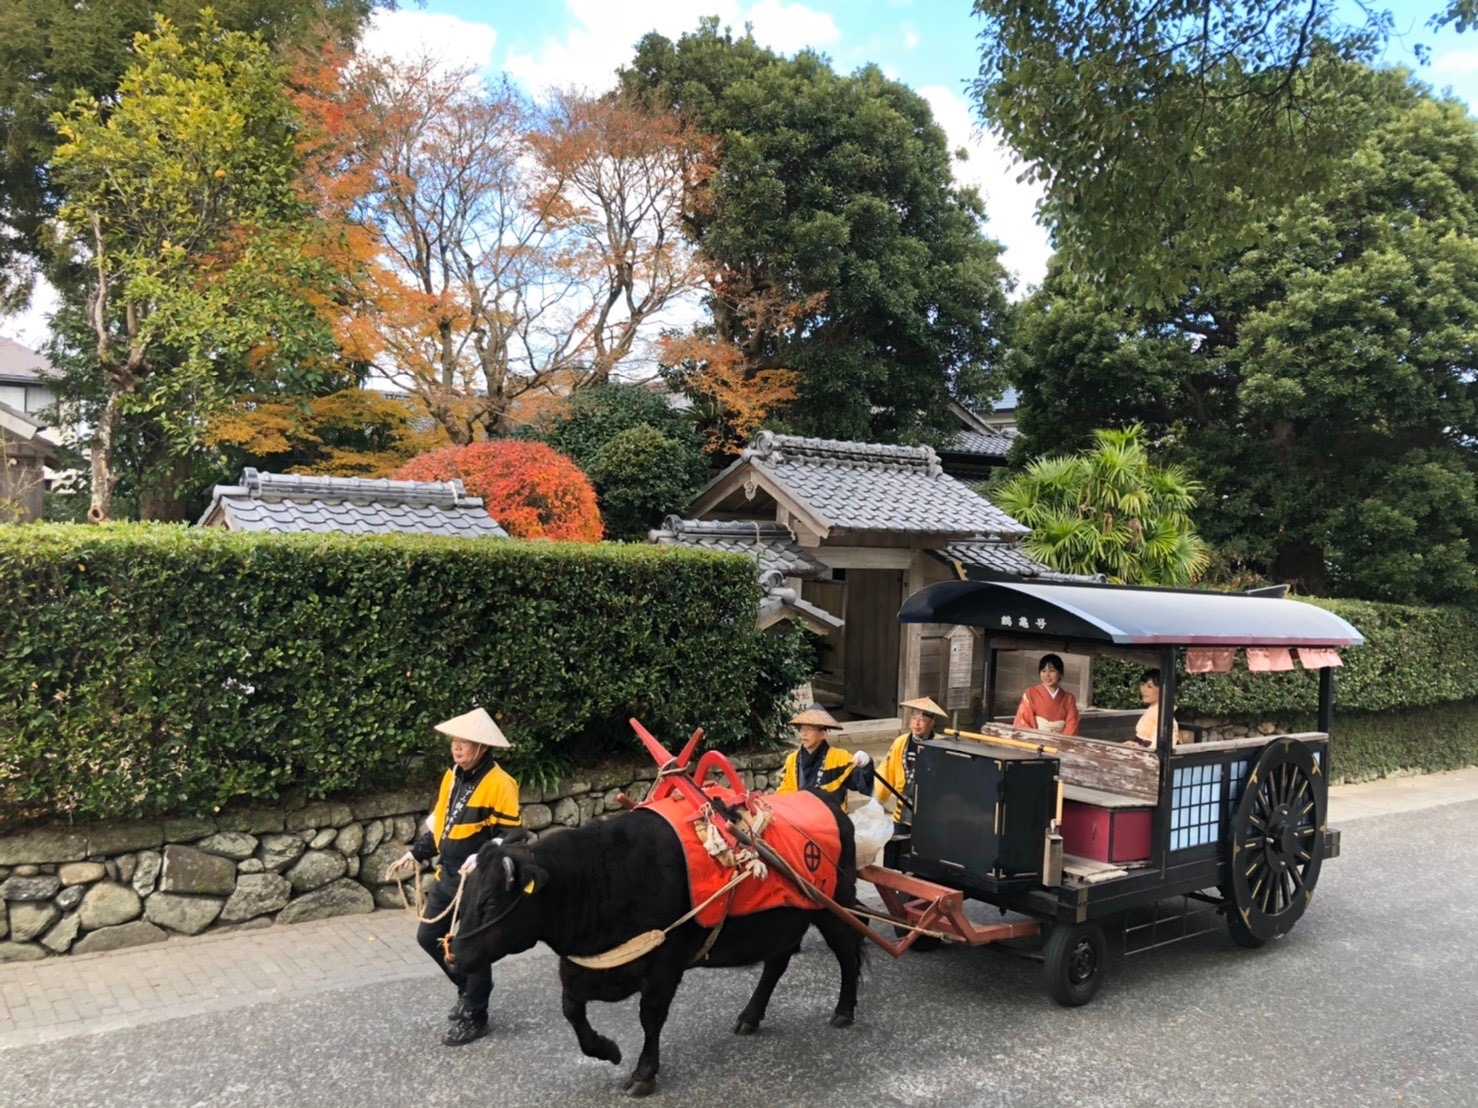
(586, 891)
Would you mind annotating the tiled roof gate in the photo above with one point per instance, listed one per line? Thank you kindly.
(871, 487)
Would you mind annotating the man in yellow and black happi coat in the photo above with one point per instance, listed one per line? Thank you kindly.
(898, 767)
(821, 767)
(477, 802)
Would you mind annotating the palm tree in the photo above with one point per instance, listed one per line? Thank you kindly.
(1109, 510)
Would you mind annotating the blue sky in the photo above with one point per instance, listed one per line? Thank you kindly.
(928, 44)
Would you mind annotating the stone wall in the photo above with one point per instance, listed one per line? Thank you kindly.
(79, 889)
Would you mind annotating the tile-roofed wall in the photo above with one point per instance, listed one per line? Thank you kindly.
(988, 444)
(1005, 558)
(288, 503)
(871, 487)
(769, 543)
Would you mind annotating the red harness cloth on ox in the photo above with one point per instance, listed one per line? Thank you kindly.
(801, 829)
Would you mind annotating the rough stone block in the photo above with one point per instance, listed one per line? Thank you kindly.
(106, 904)
(61, 937)
(124, 838)
(146, 871)
(254, 822)
(30, 888)
(70, 897)
(30, 919)
(188, 915)
(44, 845)
(187, 870)
(315, 869)
(373, 865)
(323, 839)
(349, 839)
(344, 897)
(21, 952)
(378, 805)
(81, 873)
(256, 894)
(277, 852)
(536, 816)
(374, 835)
(137, 933)
(250, 865)
(406, 828)
(188, 830)
(229, 844)
(566, 812)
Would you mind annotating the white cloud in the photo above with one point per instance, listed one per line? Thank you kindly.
(910, 37)
(602, 36)
(1010, 205)
(415, 34)
(1456, 61)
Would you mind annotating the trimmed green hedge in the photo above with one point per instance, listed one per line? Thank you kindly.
(158, 669)
(1412, 658)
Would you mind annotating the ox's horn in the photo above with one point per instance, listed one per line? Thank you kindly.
(507, 873)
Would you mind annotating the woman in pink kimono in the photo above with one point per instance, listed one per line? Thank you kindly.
(1048, 706)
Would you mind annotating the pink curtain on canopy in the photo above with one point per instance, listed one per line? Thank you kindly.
(1209, 659)
(1319, 657)
(1269, 659)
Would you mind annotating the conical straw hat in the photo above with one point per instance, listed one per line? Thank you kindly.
(924, 704)
(816, 717)
(475, 726)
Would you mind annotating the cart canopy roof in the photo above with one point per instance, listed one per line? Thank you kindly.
(1128, 615)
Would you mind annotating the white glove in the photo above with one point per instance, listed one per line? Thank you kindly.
(862, 758)
(469, 865)
(405, 861)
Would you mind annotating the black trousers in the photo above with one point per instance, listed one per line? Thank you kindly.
(474, 988)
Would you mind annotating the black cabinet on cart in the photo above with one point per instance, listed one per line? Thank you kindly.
(982, 811)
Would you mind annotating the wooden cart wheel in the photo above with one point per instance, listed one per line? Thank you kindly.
(1276, 843)
(1073, 962)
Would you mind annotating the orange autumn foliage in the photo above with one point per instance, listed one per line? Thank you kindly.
(532, 490)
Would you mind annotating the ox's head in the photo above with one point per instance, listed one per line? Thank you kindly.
(501, 910)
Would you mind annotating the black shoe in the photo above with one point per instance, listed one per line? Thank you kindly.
(466, 1030)
(459, 1009)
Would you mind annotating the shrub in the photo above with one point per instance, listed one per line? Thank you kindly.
(157, 669)
(531, 490)
(644, 458)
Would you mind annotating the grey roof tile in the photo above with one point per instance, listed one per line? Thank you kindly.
(1004, 558)
(353, 505)
(768, 543)
(870, 487)
(985, 443)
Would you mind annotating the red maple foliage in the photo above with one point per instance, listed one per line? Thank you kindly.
(532, 490)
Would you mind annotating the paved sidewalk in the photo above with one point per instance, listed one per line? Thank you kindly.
(58, 998)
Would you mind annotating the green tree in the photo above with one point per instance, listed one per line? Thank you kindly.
(839, 245)
(643, 457)
(1164, 130)
(202, 271)
(1321, 385)
(1109, 510)
(52, 51)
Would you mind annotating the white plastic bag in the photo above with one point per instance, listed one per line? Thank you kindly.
(871, 828)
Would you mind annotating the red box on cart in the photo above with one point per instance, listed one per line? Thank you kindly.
(1106, 834)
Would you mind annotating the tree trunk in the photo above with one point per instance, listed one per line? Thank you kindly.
(103, 477)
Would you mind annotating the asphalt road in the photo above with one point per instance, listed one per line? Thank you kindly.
(1369, 1001)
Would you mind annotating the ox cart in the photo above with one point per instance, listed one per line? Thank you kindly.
(1079, 833)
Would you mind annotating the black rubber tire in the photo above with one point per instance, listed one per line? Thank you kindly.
(1074, 962)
